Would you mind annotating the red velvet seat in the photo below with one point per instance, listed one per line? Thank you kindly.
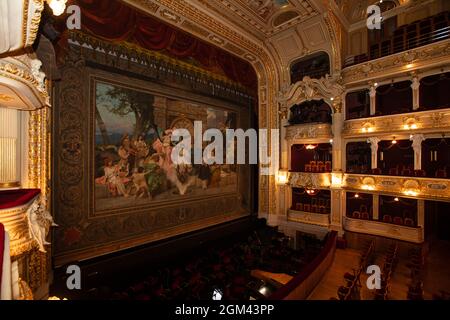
(376, 171)
(393, 171)
(441, 173)
(409, 222)
(387, 218)
(420, 173)
(398, 220)
(365, 215)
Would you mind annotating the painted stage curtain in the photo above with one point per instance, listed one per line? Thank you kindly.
(115, 21)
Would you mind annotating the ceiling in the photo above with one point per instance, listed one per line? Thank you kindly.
(263, 18)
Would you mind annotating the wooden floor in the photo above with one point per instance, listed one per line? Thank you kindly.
(437, 270)
(348, 259)
(344, 261)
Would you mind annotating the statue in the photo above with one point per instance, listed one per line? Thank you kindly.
(39, 223)
(40, 76)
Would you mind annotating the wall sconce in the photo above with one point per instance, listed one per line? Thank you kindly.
(367, 187)
(367, 128)
(311, 192)
(336, 180)
(58, 6)
(310, 147)
(410, 124)
(282, 177)
(396, 199)
(394, 141)
(356, 195)
(412, 193)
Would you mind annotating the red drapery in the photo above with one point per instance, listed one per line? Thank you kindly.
(15, 198)
(2, 248)
(114, 21)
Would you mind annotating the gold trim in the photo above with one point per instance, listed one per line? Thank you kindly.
(5, 185)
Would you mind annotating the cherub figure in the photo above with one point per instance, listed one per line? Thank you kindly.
(39, 223)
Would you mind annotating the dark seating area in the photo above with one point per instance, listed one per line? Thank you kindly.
(311, 158)
(396, 158)
(314, 66)
(313, 111)
(224, 269)
(407, 37)
(358, 157)
(436, 157)
(399, 211)
(320, 202)
(359, 206)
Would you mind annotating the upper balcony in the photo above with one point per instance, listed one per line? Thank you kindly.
(407, 37)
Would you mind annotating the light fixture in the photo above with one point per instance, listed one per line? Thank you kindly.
(412, 193)
(356, 195)
(396, 199)
(368, 187)
(58, 6)
(331, 141)
(394, 141)
(282, 177)
(310, 147)
(311, 192)
(375, 84)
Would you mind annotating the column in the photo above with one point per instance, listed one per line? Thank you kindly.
(415, 89)
(374, 147)
(373, 99)
(338, 123)
(338, 207)
(376, 207)
(285, 152)
(417, 140)
(421, 216)
(9, 143)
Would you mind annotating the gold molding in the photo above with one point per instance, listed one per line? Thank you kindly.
(428, 56)
(6, 185)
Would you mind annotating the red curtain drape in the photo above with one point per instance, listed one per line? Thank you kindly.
(115, 21)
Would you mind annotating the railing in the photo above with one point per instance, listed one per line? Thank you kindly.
(320, 219)
(405, 38)
(423, 188)
(383, 229)
(300, 287)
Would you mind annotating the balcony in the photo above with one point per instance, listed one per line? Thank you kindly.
(407, 37)
(432, 121)
(384, 230)
(434, 54)
(309, 180)
(423, 188)
(318, 219)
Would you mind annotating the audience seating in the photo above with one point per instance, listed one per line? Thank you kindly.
(398, 220)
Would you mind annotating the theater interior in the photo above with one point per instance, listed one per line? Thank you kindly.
(93, 205)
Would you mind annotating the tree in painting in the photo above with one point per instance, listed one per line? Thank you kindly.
(127, 101)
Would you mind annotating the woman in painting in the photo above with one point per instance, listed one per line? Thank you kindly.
(112, 179)
(127, 154)
(142, 150)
